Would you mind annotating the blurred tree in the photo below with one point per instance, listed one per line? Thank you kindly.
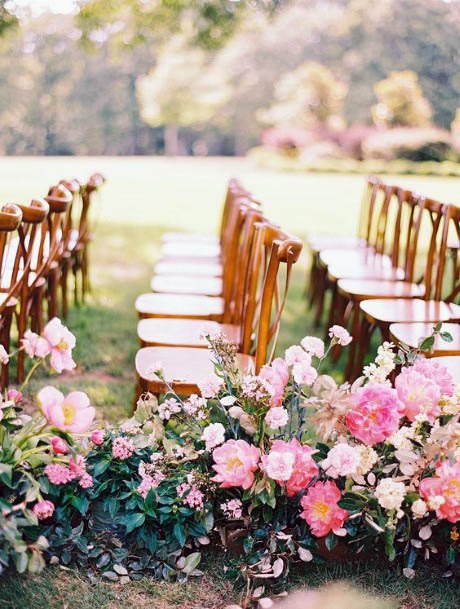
(310, 96)
(180, 91)
(401, 102)
(455, 130)
(7, 19)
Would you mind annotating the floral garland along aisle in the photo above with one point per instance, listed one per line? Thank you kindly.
(277, 468)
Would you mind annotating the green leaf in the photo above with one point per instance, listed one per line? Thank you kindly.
(21, 561)
(6, 473)
(180, 534)
(191, 562)
(426, 344)
(81, 503)
(446, 336)
(133, 521)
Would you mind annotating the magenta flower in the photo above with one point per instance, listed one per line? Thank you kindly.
(277, 375)
(43, 509)
(235, 463)
(60, 342)
(376, 413)
(97, 437)
(321, 509)
(59, 446)
(419, 394)
(14, 395)
(70, 413)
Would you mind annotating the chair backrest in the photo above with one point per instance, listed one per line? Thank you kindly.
(367, 208)
(87, 191)
(234, 189)
(74, 210)
(59, 199)
(32, 234)
(264, 300)
(436, 280)
(10, 220)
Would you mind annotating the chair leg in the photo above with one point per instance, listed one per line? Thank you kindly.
(365, 334)
(63, 284)
(85, 283)
(53, 281)
(355, 332)
(321, 292)
(22, 326)
(5, 337)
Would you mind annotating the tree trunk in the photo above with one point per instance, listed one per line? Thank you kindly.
(171, 135)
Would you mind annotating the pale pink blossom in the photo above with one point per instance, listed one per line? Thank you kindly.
(442, 491)
(321, 510)
(14, 395)
(86, 481)
(123, 448)
(35, 345)
(340, 335)
(276, 417)
(61, 342)
(375, 414)
(97, 437)
(278, 464)
(436, 372)
(77, 466)
(168, 408)
(210, 387)
(277, 375)
(43, 509)
(341, 460)
(150, 482)
(313, 346)
(304, 373)
(4, 357)
(59, 446)
(233, 508)
(58, 474)
(303, 468)
(235, 463)
(70, 413)
(213, 435)
(419, 394)
(296, 355)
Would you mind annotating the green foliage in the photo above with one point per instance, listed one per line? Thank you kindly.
(412, 144)
(8, 20)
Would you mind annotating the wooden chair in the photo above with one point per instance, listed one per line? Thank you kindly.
(197, 306)
(69, 238)
(185, 368)
(436, 305)
(189, 332)
(411, 333)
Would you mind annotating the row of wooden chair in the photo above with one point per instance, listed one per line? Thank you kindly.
(40, 244)
(235, 284)
(400, 273)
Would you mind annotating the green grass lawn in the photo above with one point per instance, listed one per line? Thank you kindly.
(142, 197)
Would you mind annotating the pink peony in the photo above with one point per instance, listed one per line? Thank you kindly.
(122, 448)
(442, 492)
(439, 374)
(321, 510)
(60, 343)
(418, 393)
(340, 335)
(341, 460)
(313, 346)
(296, 355)
(97, 437)
(376, 413)
(35, 345)
(71, 413)
(290, 457)
(277, 375)
(235, 463)
(14, 395)
(43, 509)
(304, 373)
(59, 446)
(276, 417)
(210, 387)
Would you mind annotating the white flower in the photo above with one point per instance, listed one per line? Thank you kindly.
(304, 373)
(228, 400)
(213, 435)
(342, 460)
(340, 335)
(435, 502)
(390, 494)
(279, 465)
(157, 369)
(384, 364)
(402, 438)
(368, 458)
(167, 408)
(313, 345)
(276, 417)
(235, 412)
(419, 508)
(295, 355)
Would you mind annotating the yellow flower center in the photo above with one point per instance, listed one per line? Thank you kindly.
(233, 463)
(62, 345)
(69, 413)
(321, 510)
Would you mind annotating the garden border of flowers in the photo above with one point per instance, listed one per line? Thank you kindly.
(277, 468)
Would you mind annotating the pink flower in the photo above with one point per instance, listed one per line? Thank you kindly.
(14, 395)
(34, 345)
(97, 437)
(290, 457)
(296, 355)
(213, 435)
(58, 474)
(4, 357)
(122, 448)
(304, 373)
(439, 374)
(313, 346)
(277, 375)
(71, 413)
(60, 342)
(419, 394)
(210, 387)
(341, 460)
(77, 466)
(235, 463)
(86, 481)
(276, 417)
(442, 492)
(43, 509)
(340, 335)
(376, 413)
(59, 446)
(321, 510)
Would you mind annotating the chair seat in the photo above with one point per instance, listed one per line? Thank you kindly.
(410, 334)
(320, 242)
(197, 269)
(354, 256)
(347, 270)
(361, 289)
(452, 363)
(183, 368)
(183, 332)
(190, 250)
(186, 306)
(178, 284)
(409, 310)
(172, 237)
